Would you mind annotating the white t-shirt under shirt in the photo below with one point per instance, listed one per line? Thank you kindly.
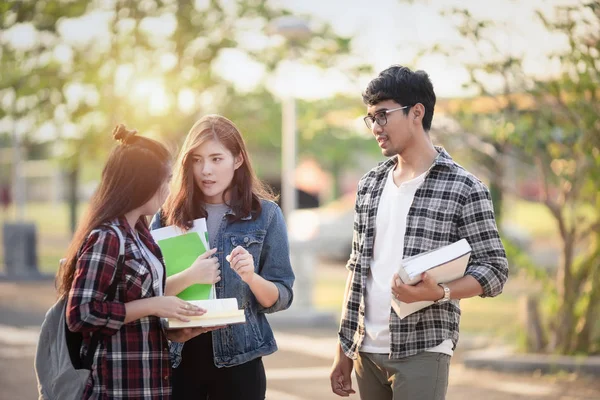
(155, 264)
(388, 250)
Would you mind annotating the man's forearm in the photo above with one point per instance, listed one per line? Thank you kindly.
(463, 288)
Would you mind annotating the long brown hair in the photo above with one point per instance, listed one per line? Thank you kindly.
(134, 172)
(186, 201)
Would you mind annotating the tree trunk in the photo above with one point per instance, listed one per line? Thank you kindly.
(584, 337)
(335, 172)
(565, 321)
(497, 198)
(497, 180)
(590, 316)
(536, 339)
(73, 199)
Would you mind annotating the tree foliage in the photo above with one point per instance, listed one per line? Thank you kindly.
(155, 65)
(553, 124)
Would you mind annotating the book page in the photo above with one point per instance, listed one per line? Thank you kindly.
(218, 312)
(217, 305)
(416, 265)
(405, 309)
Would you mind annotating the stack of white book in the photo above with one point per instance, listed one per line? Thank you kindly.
(444, 264)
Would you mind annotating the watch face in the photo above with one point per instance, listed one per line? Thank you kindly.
(446, 297)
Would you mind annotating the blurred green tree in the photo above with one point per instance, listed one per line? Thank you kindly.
(332, 132)
(553, 123)
(154, 65)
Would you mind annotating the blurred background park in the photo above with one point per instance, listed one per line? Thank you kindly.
(518, 104)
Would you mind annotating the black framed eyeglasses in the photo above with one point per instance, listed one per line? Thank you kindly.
(380, 117)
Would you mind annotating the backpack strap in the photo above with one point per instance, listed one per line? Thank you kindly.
(110, 296)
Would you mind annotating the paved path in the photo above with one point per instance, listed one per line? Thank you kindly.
(298, 371)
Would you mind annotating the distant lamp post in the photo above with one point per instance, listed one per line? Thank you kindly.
(294, 30)
(302, 312)
(19, 237)
(19, 192)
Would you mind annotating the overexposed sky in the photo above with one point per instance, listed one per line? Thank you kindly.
(386, 32)
(393, 31)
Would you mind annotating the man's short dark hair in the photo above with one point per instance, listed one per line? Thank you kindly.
(405, 87)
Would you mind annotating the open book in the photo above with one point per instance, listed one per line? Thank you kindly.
(444, 264)
(218, 312)
(180, 249)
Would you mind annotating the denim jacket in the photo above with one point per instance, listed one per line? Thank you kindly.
(266, 239)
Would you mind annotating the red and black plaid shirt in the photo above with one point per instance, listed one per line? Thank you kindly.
(133, 361)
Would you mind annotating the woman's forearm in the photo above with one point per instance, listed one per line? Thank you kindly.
(177, 283)
(138, 309)
(266, 292)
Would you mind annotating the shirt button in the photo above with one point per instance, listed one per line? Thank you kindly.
(166, 377)
(246, 240)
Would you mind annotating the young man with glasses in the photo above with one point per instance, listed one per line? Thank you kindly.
(417, 200)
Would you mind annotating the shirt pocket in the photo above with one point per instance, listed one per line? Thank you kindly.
(252, 333)
(252, 242)
(439, 221)
(440, 213)
(138, 279)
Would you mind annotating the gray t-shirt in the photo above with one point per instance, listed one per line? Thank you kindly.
(213, 221)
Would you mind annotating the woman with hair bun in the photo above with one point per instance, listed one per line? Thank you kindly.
(132, 358)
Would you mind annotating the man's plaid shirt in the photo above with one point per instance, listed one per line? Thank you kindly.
(450, 205)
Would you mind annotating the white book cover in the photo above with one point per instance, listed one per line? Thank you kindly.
(218, 312)
(172, 231)
(444, 264)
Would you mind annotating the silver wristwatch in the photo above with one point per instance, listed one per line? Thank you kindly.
(446, 297)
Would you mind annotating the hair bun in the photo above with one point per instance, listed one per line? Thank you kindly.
(122, 134)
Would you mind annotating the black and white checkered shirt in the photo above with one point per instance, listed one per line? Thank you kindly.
(451, 204)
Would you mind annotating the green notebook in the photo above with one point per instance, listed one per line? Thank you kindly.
(180, 249)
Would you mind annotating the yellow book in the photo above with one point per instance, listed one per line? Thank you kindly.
(218, 312)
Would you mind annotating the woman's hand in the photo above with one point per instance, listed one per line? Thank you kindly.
(174, 307)
(205, 269)
(242, 263)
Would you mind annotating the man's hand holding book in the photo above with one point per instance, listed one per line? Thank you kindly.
(426, 290)
(420, 280)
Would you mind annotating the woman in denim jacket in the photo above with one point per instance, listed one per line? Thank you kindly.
(249, 260)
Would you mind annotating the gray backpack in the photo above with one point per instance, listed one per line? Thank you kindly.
(61, 372)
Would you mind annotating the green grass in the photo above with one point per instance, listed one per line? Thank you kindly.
(53, 235)
(486, 316)
(532, 217)
(53, 230)
(495, 316)
(536, 219)
(329, 291)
